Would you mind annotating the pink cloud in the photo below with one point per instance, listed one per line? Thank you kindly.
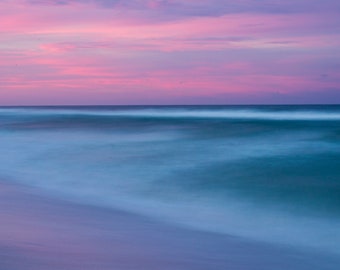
(56, 52)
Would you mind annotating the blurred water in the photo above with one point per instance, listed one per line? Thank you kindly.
(267, 172)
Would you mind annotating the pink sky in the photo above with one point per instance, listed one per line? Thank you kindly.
(169, 52)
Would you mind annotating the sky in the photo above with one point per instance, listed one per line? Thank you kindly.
(120, 52)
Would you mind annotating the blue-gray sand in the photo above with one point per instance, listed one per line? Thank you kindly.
(170, 187)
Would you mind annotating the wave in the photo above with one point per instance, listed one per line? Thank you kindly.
(237, 113)
(249, 176)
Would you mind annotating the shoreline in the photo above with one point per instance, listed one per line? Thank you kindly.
(40, 232)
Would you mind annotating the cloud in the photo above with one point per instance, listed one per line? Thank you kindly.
(188, 8)
(169, 50)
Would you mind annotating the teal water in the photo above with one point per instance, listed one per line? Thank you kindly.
(270, 173)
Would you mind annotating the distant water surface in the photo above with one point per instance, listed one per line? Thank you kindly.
(270, 173)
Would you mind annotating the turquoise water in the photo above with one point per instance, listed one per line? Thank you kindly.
(270, 173)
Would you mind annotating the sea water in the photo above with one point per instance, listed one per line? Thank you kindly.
(270, 173)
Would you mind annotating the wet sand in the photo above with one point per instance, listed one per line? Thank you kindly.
(38, 232)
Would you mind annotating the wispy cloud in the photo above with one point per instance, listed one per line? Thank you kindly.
(167, 50)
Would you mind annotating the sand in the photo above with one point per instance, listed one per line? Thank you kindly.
(40, 232)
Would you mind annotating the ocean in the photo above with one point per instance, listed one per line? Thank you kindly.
(269, 173)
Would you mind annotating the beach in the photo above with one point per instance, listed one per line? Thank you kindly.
(42, 232)
(170, 187)
(169, 135)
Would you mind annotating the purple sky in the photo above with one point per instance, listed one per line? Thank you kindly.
(169, 51)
